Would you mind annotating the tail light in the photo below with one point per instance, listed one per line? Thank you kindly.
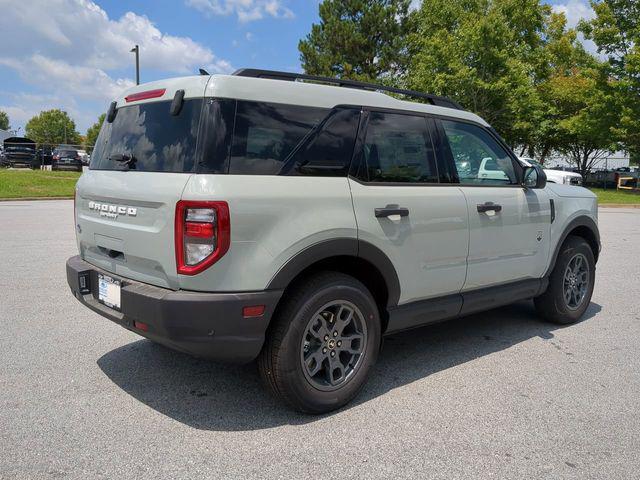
(203, 234)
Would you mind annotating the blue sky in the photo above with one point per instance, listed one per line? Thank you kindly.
(74, 54)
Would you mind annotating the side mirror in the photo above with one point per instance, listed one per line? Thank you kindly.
(534, 177)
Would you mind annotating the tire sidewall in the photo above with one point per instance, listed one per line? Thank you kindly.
(304, 392)
(572, 247)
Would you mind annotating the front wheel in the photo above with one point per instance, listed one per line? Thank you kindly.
(324, 340)
(570, 285)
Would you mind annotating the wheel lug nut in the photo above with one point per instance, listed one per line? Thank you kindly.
(335, 334)
(326, 337)
(324, 350)
(339, 343)
(333, 353)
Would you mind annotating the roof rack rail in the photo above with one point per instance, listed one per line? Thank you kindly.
(340, 82)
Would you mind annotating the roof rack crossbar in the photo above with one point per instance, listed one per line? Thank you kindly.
(341, 82)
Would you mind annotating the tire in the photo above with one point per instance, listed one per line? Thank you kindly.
(307, 327)
(556, 304)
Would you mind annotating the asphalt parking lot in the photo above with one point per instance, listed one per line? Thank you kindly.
(496, 395)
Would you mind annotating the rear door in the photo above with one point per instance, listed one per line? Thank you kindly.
(126, 200)
(509, 224)
(405, 206)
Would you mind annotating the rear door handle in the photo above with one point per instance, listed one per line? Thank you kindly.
(489, 206)
(390, 210)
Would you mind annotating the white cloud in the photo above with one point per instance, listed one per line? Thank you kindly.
(68, 49)
(246, 10)
(576, 10)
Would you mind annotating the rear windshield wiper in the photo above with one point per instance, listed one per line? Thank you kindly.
(126, 159)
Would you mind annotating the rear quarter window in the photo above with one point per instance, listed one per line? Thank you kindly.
(265, 134)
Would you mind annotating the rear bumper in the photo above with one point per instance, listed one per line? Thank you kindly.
(209, 325)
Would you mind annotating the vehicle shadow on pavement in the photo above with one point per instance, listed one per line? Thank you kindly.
(214, 396)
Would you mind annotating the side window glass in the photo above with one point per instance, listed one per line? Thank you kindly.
(478, 157)
(397, 148)
(266, 133)
(328, 153)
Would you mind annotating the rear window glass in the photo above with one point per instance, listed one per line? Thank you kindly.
(265, 134)
(146, 137)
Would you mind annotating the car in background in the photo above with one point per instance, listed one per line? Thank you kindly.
(65, 158)
(84, 157)
(20, 152)
(45, 154)
(556, 176)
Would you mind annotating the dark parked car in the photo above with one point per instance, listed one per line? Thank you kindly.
(45, 154)
(66, 159)
(20, 152)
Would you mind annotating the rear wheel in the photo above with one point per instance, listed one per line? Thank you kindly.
(570, 284)
(324, 340)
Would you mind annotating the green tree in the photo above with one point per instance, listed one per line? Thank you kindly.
(562, 56)
(358, 39)
(52, 127)
(4, 121)
(616, 32)
(93, 131)
(485, 54)
(585, 112)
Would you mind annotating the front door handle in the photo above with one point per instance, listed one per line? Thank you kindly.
(390, 210)
(488, 207)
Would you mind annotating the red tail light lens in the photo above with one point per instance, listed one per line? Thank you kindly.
(203, 234)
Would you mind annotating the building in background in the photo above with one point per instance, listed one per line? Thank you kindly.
(609, 162)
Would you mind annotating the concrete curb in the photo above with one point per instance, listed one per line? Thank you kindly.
(22, 199)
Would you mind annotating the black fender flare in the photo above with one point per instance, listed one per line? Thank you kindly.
(581, 221)
(338, 247)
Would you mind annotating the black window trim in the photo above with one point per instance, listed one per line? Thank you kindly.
(440, 156)
(315, 132)
(358, 150)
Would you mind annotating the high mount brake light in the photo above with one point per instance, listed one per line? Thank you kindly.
(203, 234)
(134, 97)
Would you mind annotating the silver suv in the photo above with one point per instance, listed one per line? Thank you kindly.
(296, 220)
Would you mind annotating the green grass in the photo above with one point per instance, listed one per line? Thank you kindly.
(611, 195)
(23, 183)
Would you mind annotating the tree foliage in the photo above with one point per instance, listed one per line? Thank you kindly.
(52, 127)
(358, 39)
(585, 113)
(485, 54)
(4, 121)
(93, 131)
(513, 62)
(616, 32)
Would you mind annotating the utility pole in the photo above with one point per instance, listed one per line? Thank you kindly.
(136, 50)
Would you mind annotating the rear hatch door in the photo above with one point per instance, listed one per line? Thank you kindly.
(125, 202)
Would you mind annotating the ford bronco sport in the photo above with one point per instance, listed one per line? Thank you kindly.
(296, 220)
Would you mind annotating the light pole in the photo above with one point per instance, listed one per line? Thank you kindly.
(136, 50)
